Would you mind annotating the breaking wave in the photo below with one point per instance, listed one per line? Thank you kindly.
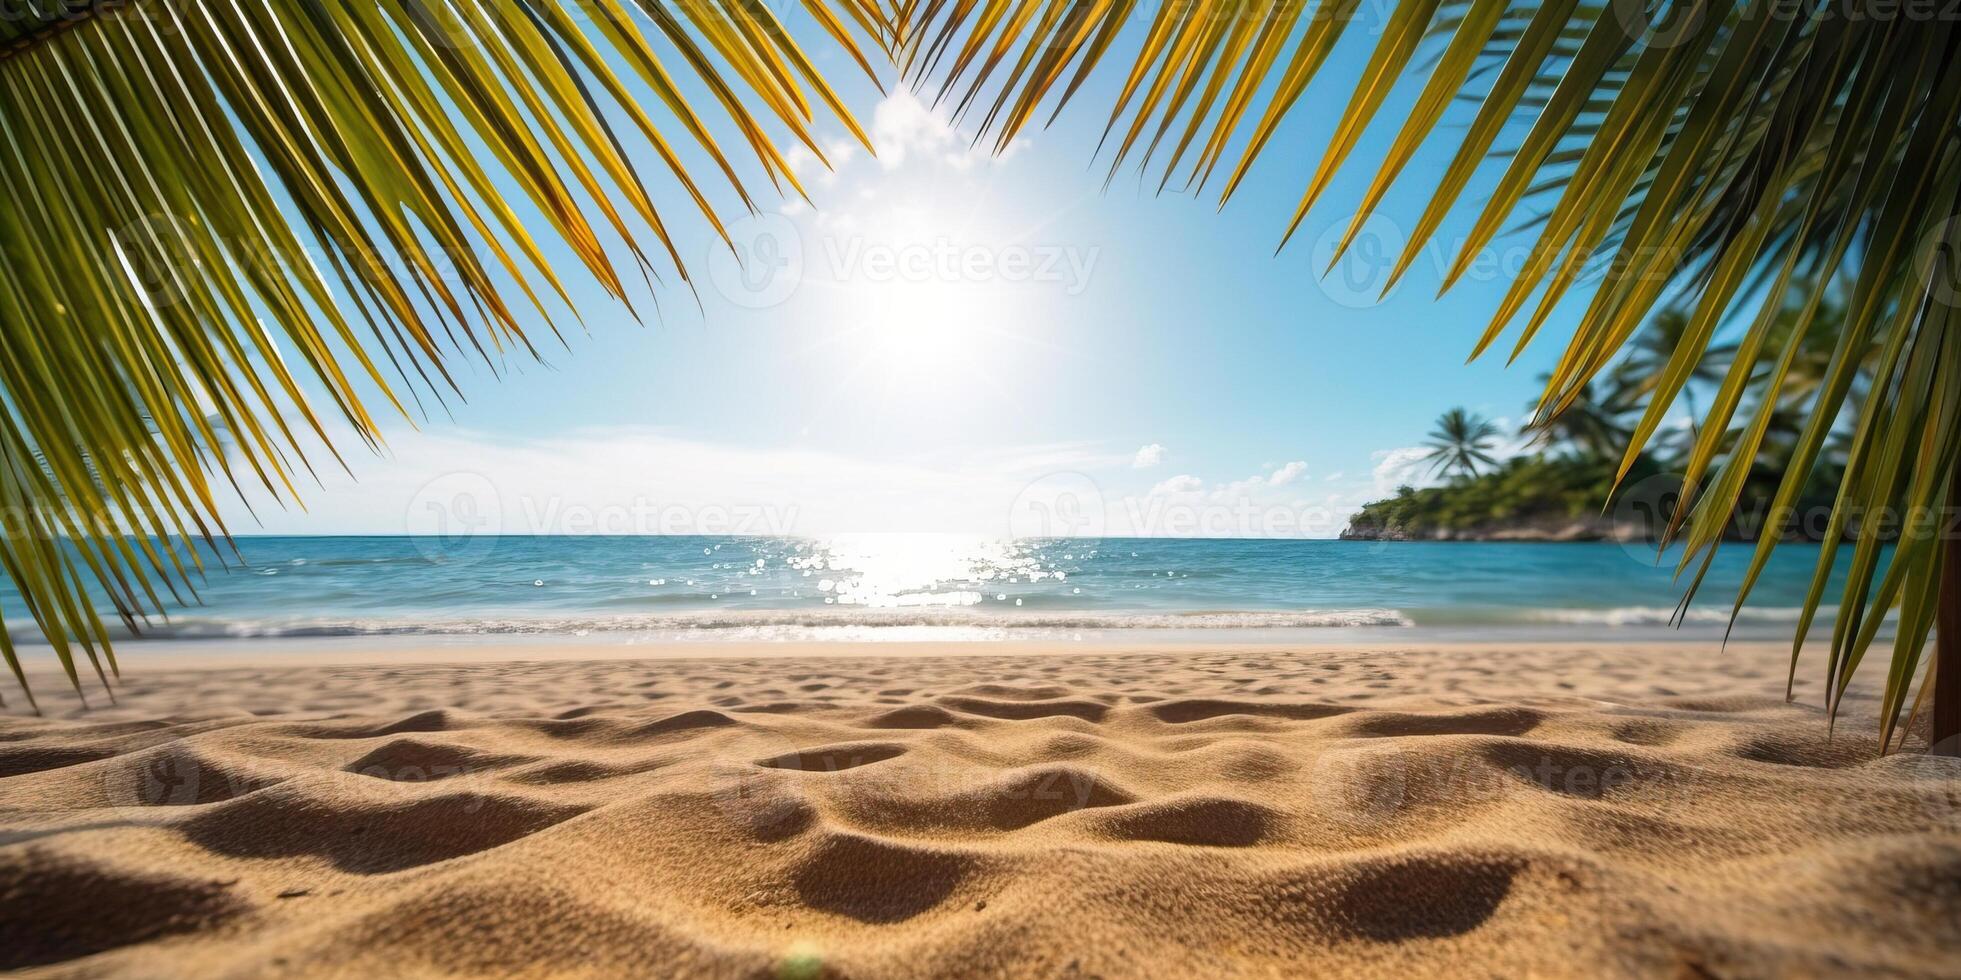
(732, 620)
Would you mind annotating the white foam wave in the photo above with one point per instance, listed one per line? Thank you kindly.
(713, 621)
(1664, 615)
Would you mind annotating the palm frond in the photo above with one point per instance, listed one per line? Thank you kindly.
(211, 205)
(1734, 159)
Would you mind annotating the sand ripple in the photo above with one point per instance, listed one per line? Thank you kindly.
(1615, 811)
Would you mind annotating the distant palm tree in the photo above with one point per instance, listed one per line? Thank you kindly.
(1644, 369)
(1461, 443)
(1590, 425)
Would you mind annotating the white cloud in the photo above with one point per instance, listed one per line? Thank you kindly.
(1287, 474)
(1182, 483)
(640, 480)
(1398, 467)
(1336, 475)
(811, 170)
(644, 480)
(904, 128)
(1148, 457)
(1271, 504)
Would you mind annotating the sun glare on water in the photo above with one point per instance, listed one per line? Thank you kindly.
(899, 570)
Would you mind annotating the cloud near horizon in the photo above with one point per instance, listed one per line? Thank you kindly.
(644, 480)
(639, 480)
(1271, 503)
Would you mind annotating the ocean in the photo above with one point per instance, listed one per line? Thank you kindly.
(949, 587)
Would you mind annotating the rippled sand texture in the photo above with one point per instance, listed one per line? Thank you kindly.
(1645, 812)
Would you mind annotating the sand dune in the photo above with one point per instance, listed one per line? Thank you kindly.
(1472, 811)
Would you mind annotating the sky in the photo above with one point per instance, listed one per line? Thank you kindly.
(948, 339)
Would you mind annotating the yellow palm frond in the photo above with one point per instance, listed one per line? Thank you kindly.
(208, 207)
(1737, 160)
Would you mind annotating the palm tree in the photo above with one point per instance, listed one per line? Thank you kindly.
(208, 207)
(1736, 160)
(1591, 424)
(1460, 444)
(1645, 368)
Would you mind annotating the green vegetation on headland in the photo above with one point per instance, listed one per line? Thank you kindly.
(1555, 490)
(1547, 497)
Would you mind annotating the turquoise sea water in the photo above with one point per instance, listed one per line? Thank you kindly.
(952, 587)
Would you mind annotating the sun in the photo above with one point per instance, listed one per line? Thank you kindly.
(922, 328)
(926, 302)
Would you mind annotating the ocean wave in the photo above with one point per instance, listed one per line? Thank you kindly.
(713, 621)
(1664, 615)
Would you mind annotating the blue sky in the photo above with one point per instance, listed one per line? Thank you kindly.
(957, 341)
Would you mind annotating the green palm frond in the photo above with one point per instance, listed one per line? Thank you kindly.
(1738, 160)
(206, 205)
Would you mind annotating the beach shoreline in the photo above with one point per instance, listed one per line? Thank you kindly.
(138, 657)
(970, 809)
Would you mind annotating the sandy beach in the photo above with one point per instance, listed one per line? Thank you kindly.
(981, 810)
